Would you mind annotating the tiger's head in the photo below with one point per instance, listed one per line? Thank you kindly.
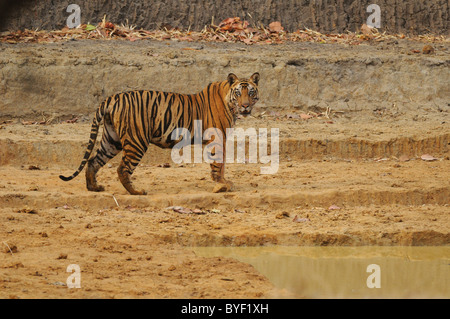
(243, 93)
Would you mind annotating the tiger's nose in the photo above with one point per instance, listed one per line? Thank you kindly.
(245, 105)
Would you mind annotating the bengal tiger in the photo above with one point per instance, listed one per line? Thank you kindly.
(134, 119)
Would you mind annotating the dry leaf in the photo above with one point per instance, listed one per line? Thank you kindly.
(292, 116)
(229, 30)
(428, 157)
(333, 207)
(109, 25)
(304, 116)
(227, 21)
(183, 210)
(275, 27)
(74, 120)
(427, 49)
(366, 30)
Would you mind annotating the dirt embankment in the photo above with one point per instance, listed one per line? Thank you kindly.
(72, 78)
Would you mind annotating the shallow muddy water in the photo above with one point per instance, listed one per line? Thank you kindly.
(349, 272)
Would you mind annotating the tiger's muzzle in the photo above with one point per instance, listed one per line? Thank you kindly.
(245, 108)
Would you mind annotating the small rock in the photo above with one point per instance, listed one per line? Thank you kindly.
(300, 220)
(172, 268)
(282, 215)
(27, 210)
(58, 283)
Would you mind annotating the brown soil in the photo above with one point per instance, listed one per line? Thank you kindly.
(352, 176)
(138, 246)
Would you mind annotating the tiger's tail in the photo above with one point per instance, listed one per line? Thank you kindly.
(93, 137)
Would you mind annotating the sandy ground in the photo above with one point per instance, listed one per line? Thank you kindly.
(350, 177)
(139, 246)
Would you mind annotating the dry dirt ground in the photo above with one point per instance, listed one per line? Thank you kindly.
(138, 246)
(346, 179)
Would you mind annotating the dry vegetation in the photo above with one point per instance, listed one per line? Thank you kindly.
(229, 30)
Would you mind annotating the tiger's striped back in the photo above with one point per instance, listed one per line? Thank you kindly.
(153, 115)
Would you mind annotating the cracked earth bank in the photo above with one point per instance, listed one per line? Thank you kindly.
(353, 178)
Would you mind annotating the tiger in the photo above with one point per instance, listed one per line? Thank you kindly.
(134, 119)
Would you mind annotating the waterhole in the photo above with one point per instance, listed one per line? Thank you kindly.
(349, 272)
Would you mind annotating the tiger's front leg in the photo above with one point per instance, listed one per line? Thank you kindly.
(217, 174)
(218, 170)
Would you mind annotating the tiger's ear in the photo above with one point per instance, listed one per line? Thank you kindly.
(255, 78)
(232, 78)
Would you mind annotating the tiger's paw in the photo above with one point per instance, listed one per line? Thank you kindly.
(135, 192)
(96, 188)
(223, 187)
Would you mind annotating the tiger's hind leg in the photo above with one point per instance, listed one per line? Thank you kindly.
(130, 159)
(110, 146)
